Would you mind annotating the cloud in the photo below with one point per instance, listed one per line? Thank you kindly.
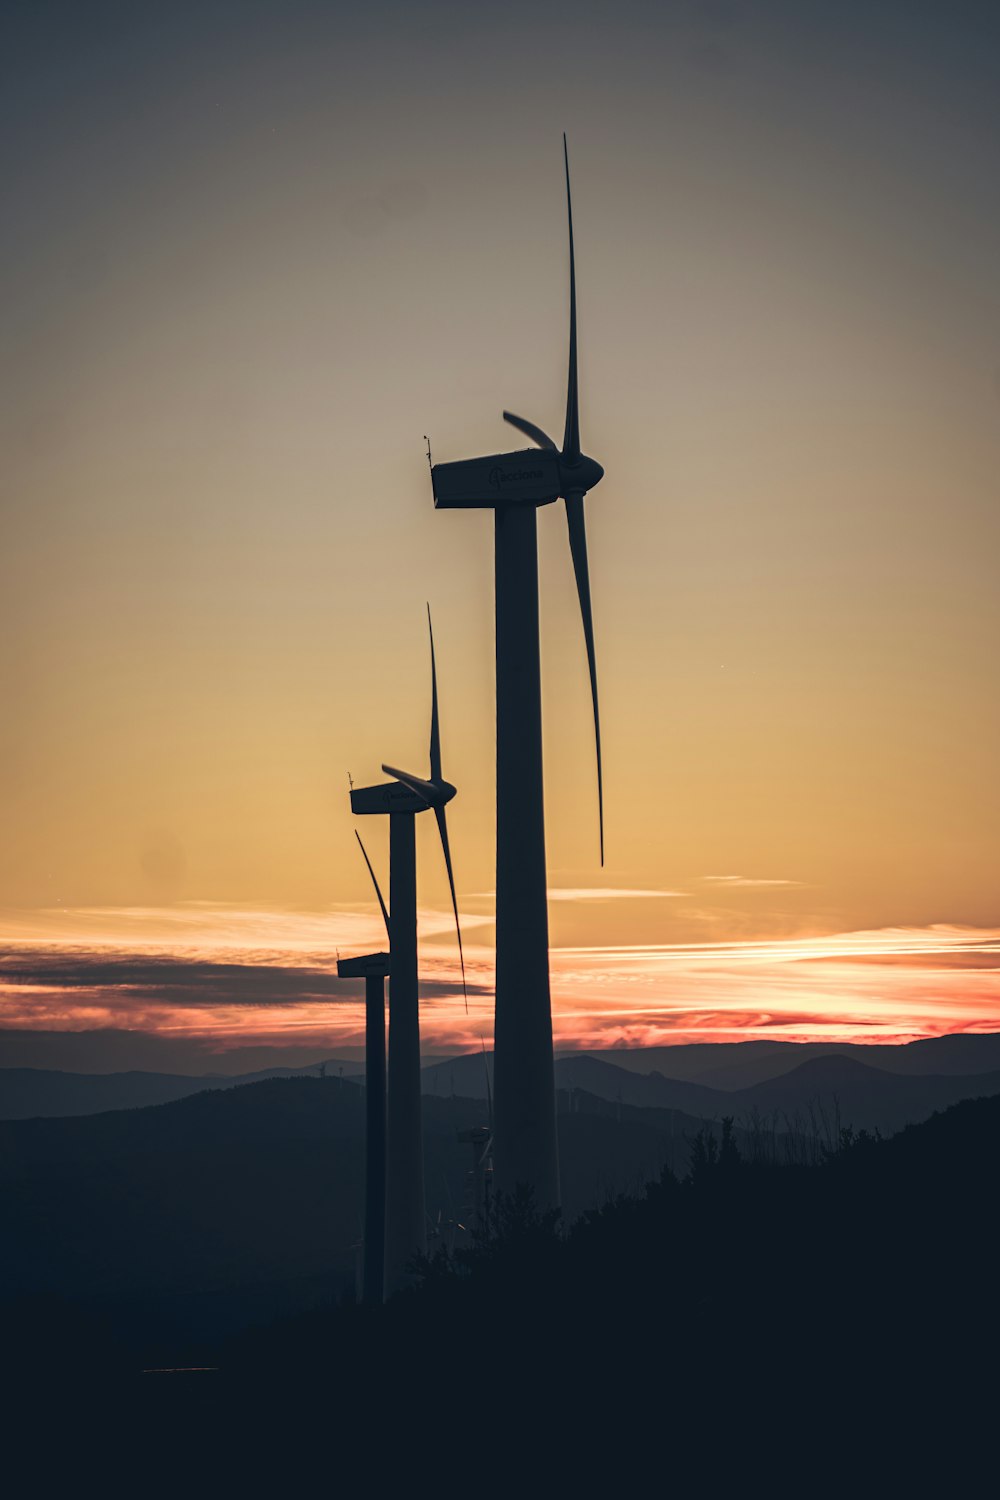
(743, 880)
(886, 984)
(210, 928)
(131, 981)
(609, 893)
(590, 893)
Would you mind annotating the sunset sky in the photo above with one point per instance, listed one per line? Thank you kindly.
(253, 253)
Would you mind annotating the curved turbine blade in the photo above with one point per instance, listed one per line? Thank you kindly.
(578, 547)
(529, 429)
(442, 823)
(424, 789)
(571, 436)
(385, 914)
(435, 726)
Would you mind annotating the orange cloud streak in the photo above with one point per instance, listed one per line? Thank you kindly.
(234, 977)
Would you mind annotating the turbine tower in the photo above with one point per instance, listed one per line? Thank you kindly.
(374, 969)
(513, 486)
(402, 799)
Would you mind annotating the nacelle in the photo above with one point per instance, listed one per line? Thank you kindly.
(365, 967)
(388, 797)
(530, 477)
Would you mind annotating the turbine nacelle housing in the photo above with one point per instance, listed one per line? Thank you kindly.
(415, 794)
(387, 797)
(531, 476)
(431, 793)
(366, 966)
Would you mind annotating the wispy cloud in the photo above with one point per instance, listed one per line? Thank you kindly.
(892, 983)
(215, 928)
(236, 978)
(609, 893)
(743, 880)
(133, 983)
(212, 970)
(592, 893)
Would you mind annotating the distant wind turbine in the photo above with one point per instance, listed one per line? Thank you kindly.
(374, 969)
(513, 485)
(402, 799)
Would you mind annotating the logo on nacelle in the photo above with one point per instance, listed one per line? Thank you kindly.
(397, 793)
(499, 477)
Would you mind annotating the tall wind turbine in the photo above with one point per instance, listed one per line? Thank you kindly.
(402, 799)
(374, 969)
(513, 485)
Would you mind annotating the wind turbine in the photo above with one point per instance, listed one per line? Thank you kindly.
(513, 485)
(402, 799)
(374, 969)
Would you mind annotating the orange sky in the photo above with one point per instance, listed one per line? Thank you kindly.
(253, 260)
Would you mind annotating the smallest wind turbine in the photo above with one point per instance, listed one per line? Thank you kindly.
(374, 969)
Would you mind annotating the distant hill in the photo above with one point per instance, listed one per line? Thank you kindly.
(823, 1089)
(29, 1092)
(167, 1235)
(113, 1049)
(642, 1090)
(708, 1080)
(598, 1075)
(692, 1060)
(736, 1065)
(847, 1092)
(235, 1204)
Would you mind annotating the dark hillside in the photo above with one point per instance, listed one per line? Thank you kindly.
(745, 1317)
(732, 1065)
(29, 1093)
(198, 1215)
(865, 1284)
(855, 1095)
(219, 1230)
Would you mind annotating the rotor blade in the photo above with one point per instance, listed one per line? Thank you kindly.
(435, 726)
(571, 436)
(378, 893)
(578, 547)
(530, 430)
(442, 823)
(423, 789)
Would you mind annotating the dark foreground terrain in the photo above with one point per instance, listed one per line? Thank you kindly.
(172, 1225)
(757, 1307)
